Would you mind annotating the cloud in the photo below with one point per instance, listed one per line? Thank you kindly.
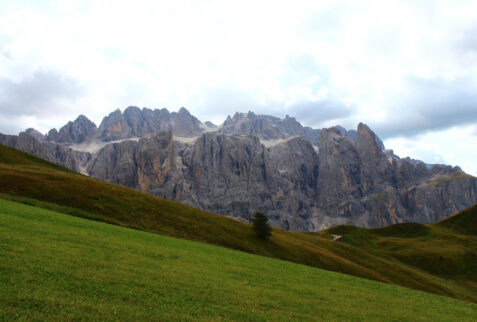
(38, 100)
(215, 103)
(315, 113)
(37, 95)
(429, 105)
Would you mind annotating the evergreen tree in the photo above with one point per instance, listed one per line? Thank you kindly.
(261, 226)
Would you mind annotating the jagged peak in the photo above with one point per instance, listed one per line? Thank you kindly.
(364, 132)
(210, 124)
(362, 125)
(36, 134)
(289, 118)
(237, 115)
(32, 130)
(327, 133)
(83, 118)
(132, 109)
(183, 110)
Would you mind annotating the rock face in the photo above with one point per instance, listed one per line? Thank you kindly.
(49, 151)
(144, 123)
(267, 127)
(362, 186)
(74, 132)
(36, 134)
(303, 179)
(135, 164)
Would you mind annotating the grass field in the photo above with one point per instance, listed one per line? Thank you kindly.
(406, 259)
(446, 249)
(59, 267)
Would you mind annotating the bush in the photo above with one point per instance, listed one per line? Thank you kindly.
(261, 226)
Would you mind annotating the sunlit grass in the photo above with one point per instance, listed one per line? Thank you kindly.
(59, 267)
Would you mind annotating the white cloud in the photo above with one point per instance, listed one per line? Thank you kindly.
(322, 61)
(454, 146)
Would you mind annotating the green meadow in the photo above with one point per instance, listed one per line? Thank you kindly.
(439, 258)
(60, 267)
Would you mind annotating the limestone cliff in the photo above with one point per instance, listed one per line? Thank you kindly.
(304, 179)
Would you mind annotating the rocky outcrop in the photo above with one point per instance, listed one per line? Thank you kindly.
(49, 151)
(267, 127)
(304, 179)
(348, 182)
(359, 184)
(146, 122)
(114, 127)
(36, 134)
(74, 132)
(136, 164)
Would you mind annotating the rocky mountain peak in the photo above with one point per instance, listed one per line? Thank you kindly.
(185, 124)
(116, 114)
(364, 133)
(365, 137)
(183, 112)
(132, 111)
(36, 134)
(327, 134)
(74, 132)
(345, 178)
(113, 127)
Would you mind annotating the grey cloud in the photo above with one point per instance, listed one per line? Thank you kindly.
(224, 100)
(429, 105)
(323, 24)
(38, 94)
(315, 113)
(229, 98)
(9, 125)
(300, 67)
(467, 39)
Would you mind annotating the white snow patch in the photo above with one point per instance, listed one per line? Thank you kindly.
(208, 129)
(185, 140)
(270, 143)
(96, 145)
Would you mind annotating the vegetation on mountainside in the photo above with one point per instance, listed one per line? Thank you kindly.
(260, 225)
(27, 179)
(445, 249)
(59, 267)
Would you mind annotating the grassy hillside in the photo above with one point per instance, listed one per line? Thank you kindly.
(446, 249)
(58, 267)
(30, 180)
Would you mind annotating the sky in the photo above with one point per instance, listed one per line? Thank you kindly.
(408, 69)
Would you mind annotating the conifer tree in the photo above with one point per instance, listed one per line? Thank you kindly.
(261, 226)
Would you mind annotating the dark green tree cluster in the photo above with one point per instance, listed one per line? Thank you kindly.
(261, 226)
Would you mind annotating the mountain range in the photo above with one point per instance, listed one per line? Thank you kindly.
(304, 179)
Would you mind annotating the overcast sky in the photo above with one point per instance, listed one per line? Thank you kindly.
(406, 68)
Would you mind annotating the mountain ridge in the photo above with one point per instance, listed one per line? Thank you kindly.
(304, 179)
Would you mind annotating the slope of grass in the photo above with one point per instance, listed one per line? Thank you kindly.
(464, 222)
(446, 249)
(27, 179)
(58, 267)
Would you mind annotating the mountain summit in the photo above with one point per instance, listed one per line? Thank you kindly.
(304, 179)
